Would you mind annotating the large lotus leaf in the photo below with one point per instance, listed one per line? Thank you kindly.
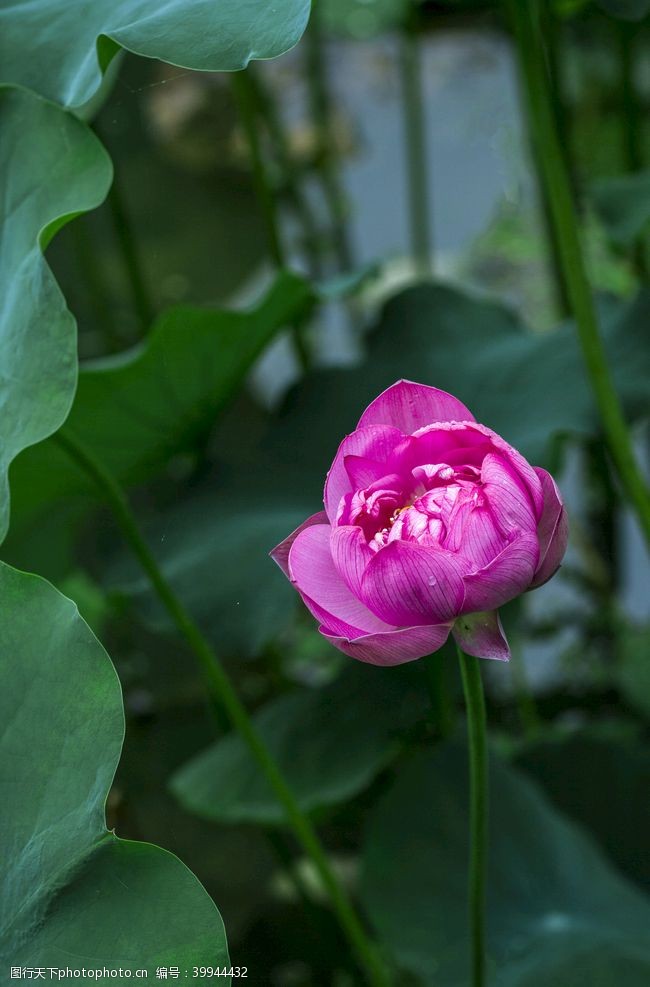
(72, 893)
(61, 49)
(139, 409)
(51, 167)
(565, 768)
(557, 912)
(623, 204)
(330, 742)
(529, 387)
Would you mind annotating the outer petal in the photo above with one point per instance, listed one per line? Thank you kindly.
(407, 584)
(280, 553)
(391, 647)
(508, 575)
(481, 635)
(409, 406)
(351, 554)
(552, 530)
(312, 571)
(374, 443)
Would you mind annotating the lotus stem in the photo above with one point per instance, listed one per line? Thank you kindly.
(478, 821)
(555, 179)
(222, 690)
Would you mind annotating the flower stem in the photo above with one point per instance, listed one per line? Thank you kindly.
(478, 778)
(410, 66)
(221, 689)
(555, 179)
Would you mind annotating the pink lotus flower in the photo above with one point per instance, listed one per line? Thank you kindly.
(431, 523)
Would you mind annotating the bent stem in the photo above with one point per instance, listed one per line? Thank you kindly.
(221, 689)
(555, 180)
(478, 780)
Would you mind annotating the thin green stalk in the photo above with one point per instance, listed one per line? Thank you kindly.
(410, 66)
(142, 303)
(245, 98)
(478, 781)
(555, 42)
(221, 689)
(321, 115)
(555, 180)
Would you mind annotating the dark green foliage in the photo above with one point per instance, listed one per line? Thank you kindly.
(557, 912)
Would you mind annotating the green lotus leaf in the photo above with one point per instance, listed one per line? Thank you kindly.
(72, 894)
(61, 50)
(51, 168)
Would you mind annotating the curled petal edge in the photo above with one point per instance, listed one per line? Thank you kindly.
(280, 554)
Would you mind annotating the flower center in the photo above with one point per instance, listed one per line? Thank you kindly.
(430, 509)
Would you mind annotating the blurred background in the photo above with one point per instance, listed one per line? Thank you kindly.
(387, 159)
